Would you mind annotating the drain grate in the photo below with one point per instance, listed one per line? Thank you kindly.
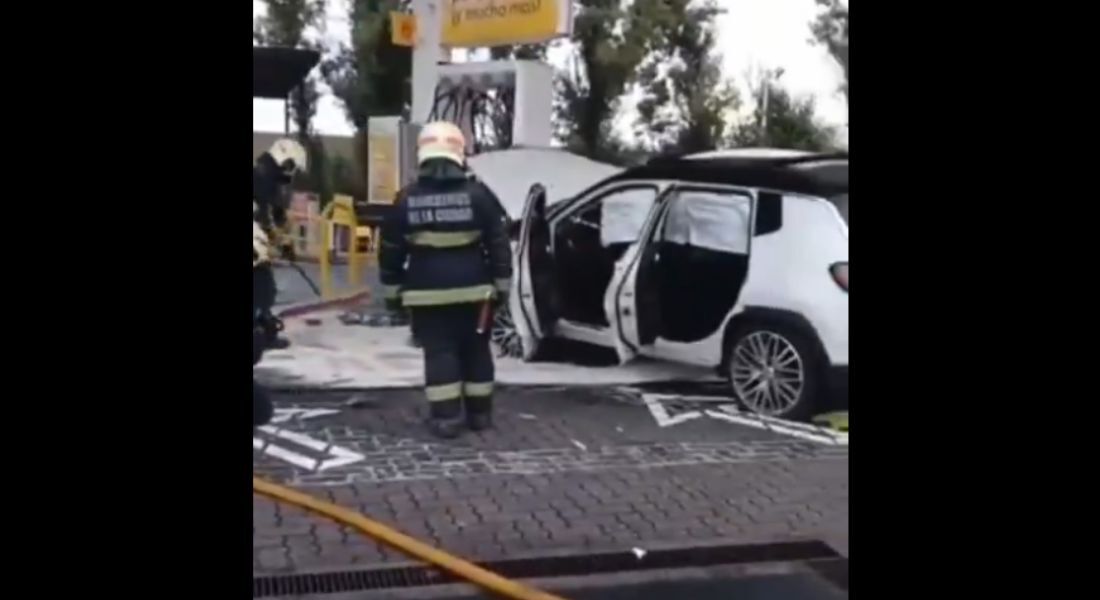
(346, 581)
(528, 568)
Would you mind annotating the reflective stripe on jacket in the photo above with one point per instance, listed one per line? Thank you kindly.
(445, 241)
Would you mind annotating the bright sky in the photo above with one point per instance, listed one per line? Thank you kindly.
(753, 34)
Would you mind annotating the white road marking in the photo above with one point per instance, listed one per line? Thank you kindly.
(660, 413)
(728, 412)
(759, 423)
(339, 456)
(281, 453)
(282, 415)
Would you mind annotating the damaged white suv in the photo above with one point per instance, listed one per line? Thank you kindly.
(721, 259)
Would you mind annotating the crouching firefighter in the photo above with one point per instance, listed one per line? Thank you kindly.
(445, 256)
(271, 173)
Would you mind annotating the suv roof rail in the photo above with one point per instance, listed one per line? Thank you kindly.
(666, 158)
(777, 161)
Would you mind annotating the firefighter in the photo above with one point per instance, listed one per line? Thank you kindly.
(262, 409)
(271, 173)
(445, 257)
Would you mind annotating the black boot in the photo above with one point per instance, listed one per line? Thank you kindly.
(278, 343)
(447, 429)
(479, 413)
(273, 326)
(444, 418)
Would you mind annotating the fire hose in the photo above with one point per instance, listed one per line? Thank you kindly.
(301, 271)
(391, 537)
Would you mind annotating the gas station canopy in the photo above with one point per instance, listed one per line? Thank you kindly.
(276, 71)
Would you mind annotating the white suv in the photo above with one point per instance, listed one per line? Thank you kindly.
(720, 260)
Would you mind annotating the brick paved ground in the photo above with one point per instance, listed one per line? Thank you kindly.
(565, 471)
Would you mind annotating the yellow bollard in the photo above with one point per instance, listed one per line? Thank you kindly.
(340, 213)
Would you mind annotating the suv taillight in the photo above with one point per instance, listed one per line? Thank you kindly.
(839, 272)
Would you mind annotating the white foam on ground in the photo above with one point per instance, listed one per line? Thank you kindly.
(341, 356)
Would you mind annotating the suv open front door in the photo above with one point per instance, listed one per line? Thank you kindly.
(532, 301)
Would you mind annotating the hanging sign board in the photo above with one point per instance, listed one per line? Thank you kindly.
(402, 29)
(477, 23)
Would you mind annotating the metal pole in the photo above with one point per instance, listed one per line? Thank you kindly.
(286, 116)
(769, 76)
(764, 117)
(426, 54)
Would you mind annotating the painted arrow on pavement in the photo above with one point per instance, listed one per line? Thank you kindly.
(335, 456)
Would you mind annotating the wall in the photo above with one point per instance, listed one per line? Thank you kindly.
(304, 224)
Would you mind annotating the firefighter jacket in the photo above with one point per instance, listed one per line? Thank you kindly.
(445, 241)
(267, 182)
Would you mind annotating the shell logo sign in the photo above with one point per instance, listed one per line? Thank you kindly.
(476, 23)
(402, 29)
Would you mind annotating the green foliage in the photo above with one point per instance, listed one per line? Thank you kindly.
(284, 24)
(286, 21)
(792, 123)
(344, 179)
(372, 77)
(685, 99)
(303, 107)
(609, 45)
(830, 29)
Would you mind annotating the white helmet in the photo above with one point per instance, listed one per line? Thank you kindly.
(260, 247)
(441, 139)
(289, 155)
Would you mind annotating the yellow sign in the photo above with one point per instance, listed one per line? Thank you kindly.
(383, 168)
(402, 29)
(473, 23)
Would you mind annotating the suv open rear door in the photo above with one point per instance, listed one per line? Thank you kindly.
(632, 301)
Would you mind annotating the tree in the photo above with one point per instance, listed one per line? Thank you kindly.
(791, 123)
(345, 178)
(609, 45)
(372, 77)
(285, 24)
(830, 29)
(286, 21)
(686, 99)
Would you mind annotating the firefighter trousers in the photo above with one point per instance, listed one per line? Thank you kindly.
(262, 408)
(458, 362)
(263, 287)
